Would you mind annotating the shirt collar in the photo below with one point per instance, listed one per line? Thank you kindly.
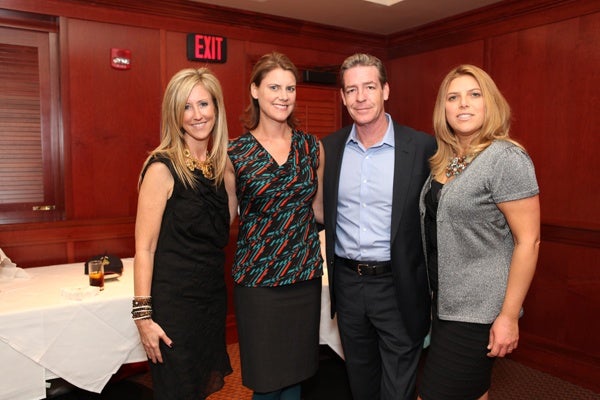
(388, 138)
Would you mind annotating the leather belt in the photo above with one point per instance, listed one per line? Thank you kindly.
(366, 267)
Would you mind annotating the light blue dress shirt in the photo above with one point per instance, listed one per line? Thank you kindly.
(364, 209)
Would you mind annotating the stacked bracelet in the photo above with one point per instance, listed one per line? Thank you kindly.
(141, 307)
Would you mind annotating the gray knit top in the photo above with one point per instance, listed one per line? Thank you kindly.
(475, 244)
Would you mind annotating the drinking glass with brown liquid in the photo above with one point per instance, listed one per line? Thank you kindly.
(96, 273)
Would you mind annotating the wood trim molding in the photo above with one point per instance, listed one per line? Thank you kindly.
(569, 235)
(35, 22)
(58, 231)
(49, 243)
(496, 19)
(179, 15)
(545, 355)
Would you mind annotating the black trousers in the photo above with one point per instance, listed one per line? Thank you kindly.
(381, 359)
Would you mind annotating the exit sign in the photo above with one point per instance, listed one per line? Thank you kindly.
(208, 48)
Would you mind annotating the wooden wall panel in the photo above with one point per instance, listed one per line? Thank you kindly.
(550, 75)
(49, 243)
(565, 292)
(414, 81)
(559, 331)
(36, 254)
(113, 115)
(486, 22)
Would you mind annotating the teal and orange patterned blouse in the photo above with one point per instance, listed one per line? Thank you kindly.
(278, 242)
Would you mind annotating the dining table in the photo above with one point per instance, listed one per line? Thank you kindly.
(54, 325)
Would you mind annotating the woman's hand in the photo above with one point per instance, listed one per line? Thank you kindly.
(151, 334)
(504, 336)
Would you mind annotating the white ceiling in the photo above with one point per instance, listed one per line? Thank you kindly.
(359, 15)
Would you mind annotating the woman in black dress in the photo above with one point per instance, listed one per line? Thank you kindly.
(182, 227)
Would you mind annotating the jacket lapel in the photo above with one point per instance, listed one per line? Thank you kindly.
(403, 166)
(331, 183)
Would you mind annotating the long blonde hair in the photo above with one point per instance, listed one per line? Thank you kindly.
(496, 122)
(172, 144)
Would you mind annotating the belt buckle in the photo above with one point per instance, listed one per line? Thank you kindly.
(359, 268)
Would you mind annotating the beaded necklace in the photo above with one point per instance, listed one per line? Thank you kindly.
(205, 166)
(458, 164)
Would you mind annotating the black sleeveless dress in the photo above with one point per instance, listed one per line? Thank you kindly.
(188, 291)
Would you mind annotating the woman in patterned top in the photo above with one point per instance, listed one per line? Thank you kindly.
(274, 177)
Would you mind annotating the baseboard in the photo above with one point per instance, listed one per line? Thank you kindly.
(567, 364)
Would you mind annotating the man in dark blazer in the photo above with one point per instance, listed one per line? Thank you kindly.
(374, 171)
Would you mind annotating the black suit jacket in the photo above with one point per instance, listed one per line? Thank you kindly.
(411, 168)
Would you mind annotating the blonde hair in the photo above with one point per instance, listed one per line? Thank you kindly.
(263, 66)
(172, 144)
(496, 121)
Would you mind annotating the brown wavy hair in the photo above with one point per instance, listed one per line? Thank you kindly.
(263, 66)
(363, 60)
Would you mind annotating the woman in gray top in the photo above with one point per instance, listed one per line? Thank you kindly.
(481, 231)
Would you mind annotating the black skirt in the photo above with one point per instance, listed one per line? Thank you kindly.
(457, 367)
(278, 329)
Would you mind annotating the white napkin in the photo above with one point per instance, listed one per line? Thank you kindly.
(9, 270)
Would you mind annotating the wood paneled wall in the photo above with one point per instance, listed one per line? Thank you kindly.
(111, 117)
(543, 54)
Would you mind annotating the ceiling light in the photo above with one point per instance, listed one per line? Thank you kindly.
(385, 2)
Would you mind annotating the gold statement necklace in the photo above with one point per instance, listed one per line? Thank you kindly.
(206, 167)
(458, 164)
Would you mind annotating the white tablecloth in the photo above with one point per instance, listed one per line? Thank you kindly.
(43, 334)
(328, 332)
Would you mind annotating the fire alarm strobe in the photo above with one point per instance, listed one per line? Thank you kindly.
(120, 58)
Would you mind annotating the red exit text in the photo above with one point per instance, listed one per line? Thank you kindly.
(208, 48)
